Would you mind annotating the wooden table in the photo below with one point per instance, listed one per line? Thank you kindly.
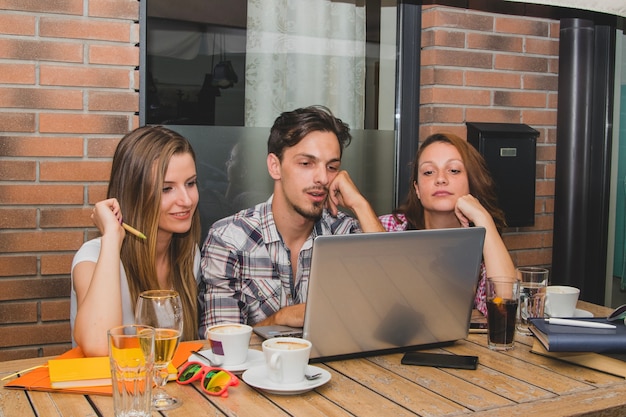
(512, 383)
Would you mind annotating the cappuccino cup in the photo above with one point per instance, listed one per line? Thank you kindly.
(229, 343)
(286, 358)
(561, 300)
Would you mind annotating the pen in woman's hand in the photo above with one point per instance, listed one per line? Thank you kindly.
(134, 231)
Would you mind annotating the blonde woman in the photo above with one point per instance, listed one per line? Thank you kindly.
(153, 187)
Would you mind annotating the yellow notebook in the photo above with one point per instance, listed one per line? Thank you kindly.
(85, 372)
(80, 372)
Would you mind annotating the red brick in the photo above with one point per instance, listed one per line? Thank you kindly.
(113, 101)
(41, 146)
(34, 288)
(121, 9)
(56, 264)
(84, 28)
(546, 82)
(33, 335)
(17, 242)
(84, 76)
(451, 18)
(446, 38)
(15, 73)
(456, 58)
(536, 46)
(519, 99)
(66, 217)
(41, 194)
(39, 98)
(83, 171)
(41, 50)
(546, 152)
(17, 122)
(18, 218)
(467, 97)
(539, 117)
(491, 42)
(15, 354)
(14, 24)
(21, 265)
(56, 6)
(522, 26)
(18, 171)
(96, 193)
(101, 148)
(57, 349)
(441, 76)
(114, 55)
(55, 310)
(521, 63)
(492, 115)
(441, 114)
(544, 188)
(83, 123)
(12, 313)
(493, 79)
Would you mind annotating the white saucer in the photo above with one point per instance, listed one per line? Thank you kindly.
(257, 377)
(579, 313)
(255, 357)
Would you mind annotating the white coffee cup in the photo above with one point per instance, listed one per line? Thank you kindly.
(229, 343)
(561, 300)
(287, 359)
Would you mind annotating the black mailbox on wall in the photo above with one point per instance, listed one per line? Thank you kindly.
(510, 152)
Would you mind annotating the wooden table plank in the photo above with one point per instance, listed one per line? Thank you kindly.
(360, 400)
(399, 388)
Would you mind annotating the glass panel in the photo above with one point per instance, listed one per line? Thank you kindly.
(221, 75)
(619, 259)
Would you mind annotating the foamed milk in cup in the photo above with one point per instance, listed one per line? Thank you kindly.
(561, 300)
(287, 359)
(229, 343)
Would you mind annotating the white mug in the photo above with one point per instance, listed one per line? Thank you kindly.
(287, 359)
(561, 300)
(229, 343)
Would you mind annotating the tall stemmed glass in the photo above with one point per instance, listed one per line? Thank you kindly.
(162, 309)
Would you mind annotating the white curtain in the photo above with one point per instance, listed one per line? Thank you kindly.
(304, 52)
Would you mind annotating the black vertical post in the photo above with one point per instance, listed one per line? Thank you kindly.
(408, 98)
(573, 152)
(583, 154)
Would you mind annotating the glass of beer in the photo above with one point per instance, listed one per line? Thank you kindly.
(162, 310)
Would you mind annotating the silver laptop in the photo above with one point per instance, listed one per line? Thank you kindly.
(373, 293)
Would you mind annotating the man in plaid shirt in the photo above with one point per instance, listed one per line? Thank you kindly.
(256, 263)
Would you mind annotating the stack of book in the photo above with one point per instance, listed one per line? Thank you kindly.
(603, 349)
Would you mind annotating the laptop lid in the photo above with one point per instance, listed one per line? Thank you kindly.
(372, 293)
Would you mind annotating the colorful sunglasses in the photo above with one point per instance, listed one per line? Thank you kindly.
(215, 381)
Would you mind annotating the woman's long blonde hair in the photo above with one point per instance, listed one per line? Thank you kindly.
(137, 175)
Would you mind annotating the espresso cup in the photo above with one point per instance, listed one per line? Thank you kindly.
(229, 343)
(561, 300)
(287, 359)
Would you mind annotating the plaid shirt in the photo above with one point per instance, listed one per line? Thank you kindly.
(480, 300)
(246, 267)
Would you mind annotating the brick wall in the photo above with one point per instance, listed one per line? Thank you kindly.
(68, 84)
(68, 91)
(479, 66)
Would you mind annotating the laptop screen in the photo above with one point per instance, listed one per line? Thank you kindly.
(383, 292)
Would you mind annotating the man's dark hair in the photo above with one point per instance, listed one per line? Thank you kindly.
(291, 127)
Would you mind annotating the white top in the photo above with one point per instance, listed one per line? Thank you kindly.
(89, 252)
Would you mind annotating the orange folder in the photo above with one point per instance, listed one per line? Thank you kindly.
(39, 379)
